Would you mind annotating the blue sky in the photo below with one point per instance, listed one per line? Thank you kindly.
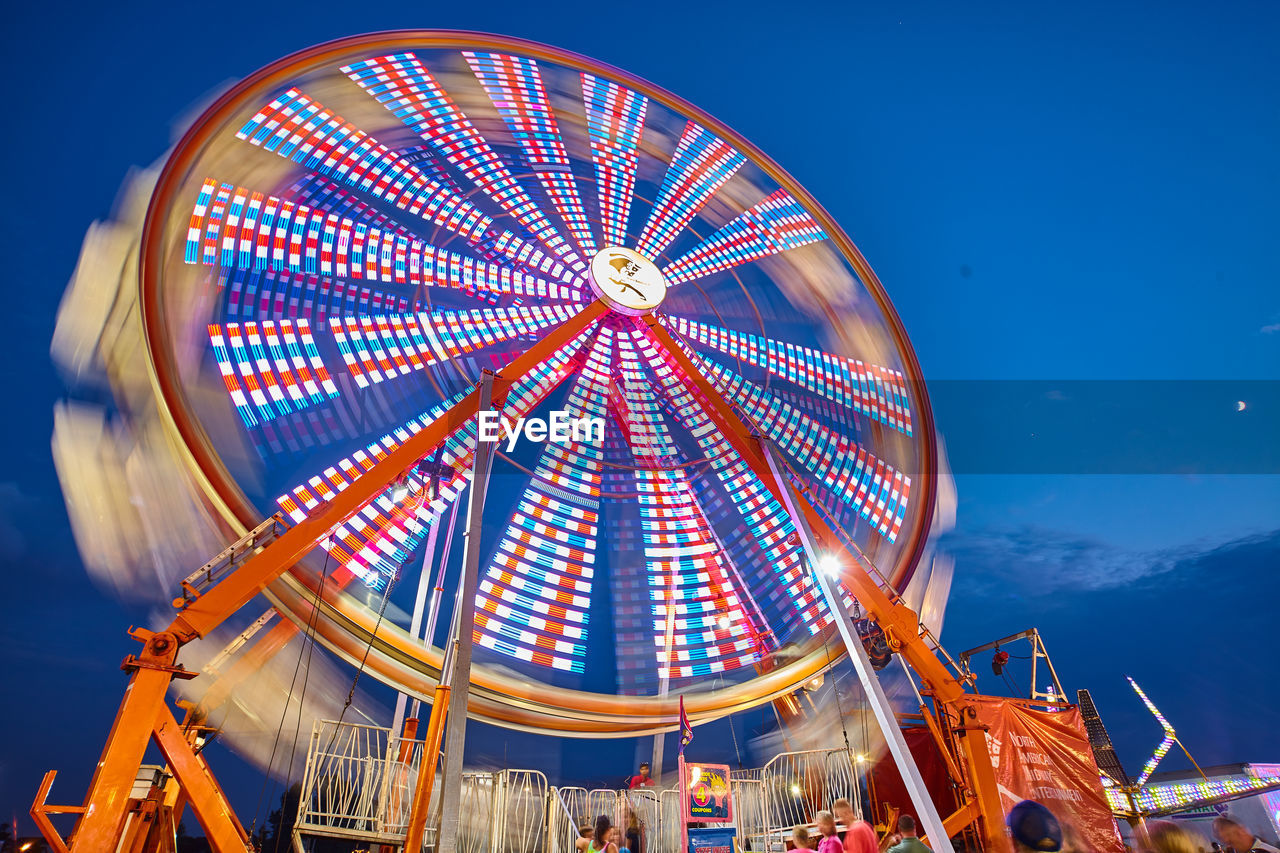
(1081, 191)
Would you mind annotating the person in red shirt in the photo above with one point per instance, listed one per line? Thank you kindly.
(641, 779)
(859, 837)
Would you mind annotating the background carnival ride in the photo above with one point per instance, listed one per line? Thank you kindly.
(363, 245)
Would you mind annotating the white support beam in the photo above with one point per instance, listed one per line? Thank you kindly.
(926, 811)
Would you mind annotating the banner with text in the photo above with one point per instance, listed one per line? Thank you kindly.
(1045, 756)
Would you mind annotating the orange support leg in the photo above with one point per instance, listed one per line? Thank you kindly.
(40, 814)
(112, 785)
(427, 771)
(224, 832)
(984, 789)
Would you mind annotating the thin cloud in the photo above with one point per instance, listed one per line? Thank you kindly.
(1035, 562)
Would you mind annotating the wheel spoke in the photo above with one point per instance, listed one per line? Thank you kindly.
(302, 130)
(857, 478)
(264, 294)
(615, 121)
(365, 545)
(878, 392)
(386, 346)
(234, 227)
(772, 532)
(532, 602)
(515, 86)
(776, 224)
(405, 87)
(701, 164)
(691, 584)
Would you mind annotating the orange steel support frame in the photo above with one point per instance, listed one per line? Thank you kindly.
(900, 623)
(144, 715)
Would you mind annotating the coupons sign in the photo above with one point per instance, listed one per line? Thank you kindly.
(707, 794)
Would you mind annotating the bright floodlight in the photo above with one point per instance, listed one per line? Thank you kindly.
(829, 565)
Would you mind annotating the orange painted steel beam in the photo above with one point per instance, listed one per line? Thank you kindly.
(107, 801)
(224, 832)
(957, 820)
(427, 770)
(983, 787)
(238, 588)
(899, 622)
(40, 813)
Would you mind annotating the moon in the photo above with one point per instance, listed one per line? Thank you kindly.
(1240, 406)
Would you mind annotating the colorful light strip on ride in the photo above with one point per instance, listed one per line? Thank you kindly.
(383, 529)
(297, 128)
(320, 193)
(268, 358)
(532, 603)
(774, 225)
(515, 87)
(404, 86)
(636, 404)
(1170, 737)
(374, 542)
(875, 391)
(712, 632)
(701, 164)
(767, 521)
(615, 122)
(1155, 800)
(267, 294)
(376, 348)
(700, 623)
(636, 669)
(235, 227)
(874, 489)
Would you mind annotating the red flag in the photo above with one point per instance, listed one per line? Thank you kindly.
(686, 730)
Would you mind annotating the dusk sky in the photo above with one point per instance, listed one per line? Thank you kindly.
(1064, 195)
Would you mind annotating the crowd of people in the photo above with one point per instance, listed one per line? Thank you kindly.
(604, 837)
(858, 835)
(1033, 828)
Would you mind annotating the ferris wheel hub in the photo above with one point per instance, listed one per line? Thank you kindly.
(628, 281)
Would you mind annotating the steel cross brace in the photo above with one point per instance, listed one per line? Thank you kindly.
(144, 714)
(899, 622)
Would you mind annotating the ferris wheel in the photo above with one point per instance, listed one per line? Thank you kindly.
(348, 241)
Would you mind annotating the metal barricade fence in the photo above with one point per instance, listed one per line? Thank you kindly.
(797, 785)
(669, 824)
(563, 826)
(521, 814)
(477, 811)
(575, 803)
(748, 810)
(606, 801)
(357, 783)
(646, 805)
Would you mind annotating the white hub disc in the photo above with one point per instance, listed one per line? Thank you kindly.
(627, 280)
